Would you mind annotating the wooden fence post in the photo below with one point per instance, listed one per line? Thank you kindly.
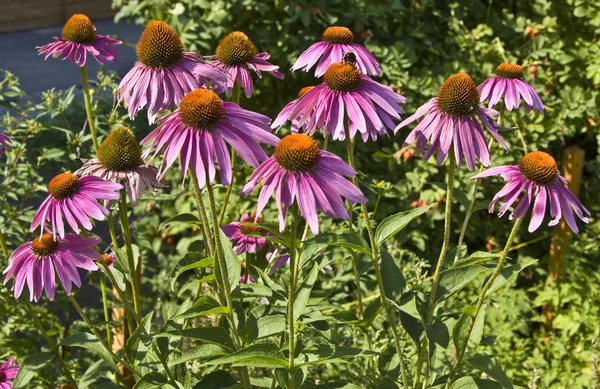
(572, 169)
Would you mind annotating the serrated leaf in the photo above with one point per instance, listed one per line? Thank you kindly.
(392, 225)
(265, 355)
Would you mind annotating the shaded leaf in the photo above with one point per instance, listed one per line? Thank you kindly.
(489, 365)
(215, 335)
(303, 294)
(89, 342)
(392, 278)
(30, 365)
(265, 355)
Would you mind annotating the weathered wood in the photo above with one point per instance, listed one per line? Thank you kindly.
(572, 170)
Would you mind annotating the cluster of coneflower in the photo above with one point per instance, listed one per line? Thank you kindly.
(205, 133)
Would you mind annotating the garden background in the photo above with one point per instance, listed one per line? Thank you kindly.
(419, 44)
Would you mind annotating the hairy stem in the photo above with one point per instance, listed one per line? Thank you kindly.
(208, 242)
(105, 307)
(290, 301)
(88, 105)
(130, 260)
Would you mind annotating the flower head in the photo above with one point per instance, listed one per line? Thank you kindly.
(8, 371)
(451, 117)
(508, 81)
(236, 54)
(284, 115)
(241, 234)
(78, 38)
(36, 262)
(75, 200)
(299, 171)
(198, 131)
(537, 174)
(4, 143)
(119, 160)
(370, 107)
(164, 73)
(335, 42)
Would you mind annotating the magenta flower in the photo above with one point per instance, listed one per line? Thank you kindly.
(299, 171)
(346, 93)
(75, 200)
(198, 130)
(236, 54)
(537, 173)
(164, 73)
(508, 81)
(78, 38)
(119, 160)
(451, 117)
(8, 371)
(336, 41)
(284, 115)
(240, 234)
(4, 143)
(37, 261)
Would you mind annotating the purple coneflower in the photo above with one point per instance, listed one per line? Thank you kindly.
(37, 261)
(75, 200)
(8, 371)
(236, 54)
(346, 93)
(284, 115)
(119, 160)
(78, 38)
(336, 41)
(451, 117)
(164, 73)
(197, 132)
(508, 81)
(240, 234)
(4, 143)
(537, 174)
(299, 170)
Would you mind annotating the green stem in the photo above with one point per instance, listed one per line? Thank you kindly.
(3, 245)
(248, 267)
(130, 260)
(439, 266)
(105, 307)
(51, 343)
(519, 133)
(375, 261)
(88, 105)
(208, 242)
(290, 301)
(226, 286)
(481, 299)
(228, 190)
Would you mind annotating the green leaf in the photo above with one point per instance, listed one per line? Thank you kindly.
(263, 327)
(252, 290)
(92, 374)
(204, 306)
(186, 218)
(134, 349)
(215, 335)
(474, 383)
(234, 269)
(217, 380)
(265, 355)
(390, 226)
(348, 240)
(392, 278)
(152, 380)
(438, 336)
(387, 383)
(410, 317)
(302, 295)
(459, 333)
(454, 279)
(489, 365)
(192, 260)
(89, 342)
(508, 274)
(30, 365)
(201, 351)
(275, 287)
(456, 193)
(477, 257)
(327, 353)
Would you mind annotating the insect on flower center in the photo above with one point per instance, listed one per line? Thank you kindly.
(235, 49)
(509, 70)
(297, 152)
(458, 95)
(342, 77)
(107, 259)
(336, 34)
(159, 46)
(44, 246)
(63, 185)
(120, 151)
(249, 226)
(201, 108)
(79, 29)
(304, 91)
(538, 167)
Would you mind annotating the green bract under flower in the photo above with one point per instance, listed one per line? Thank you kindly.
(159, 46)
(235, 49)
(297, 152)
(120, 151)
(458, 95)
(79, 29)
